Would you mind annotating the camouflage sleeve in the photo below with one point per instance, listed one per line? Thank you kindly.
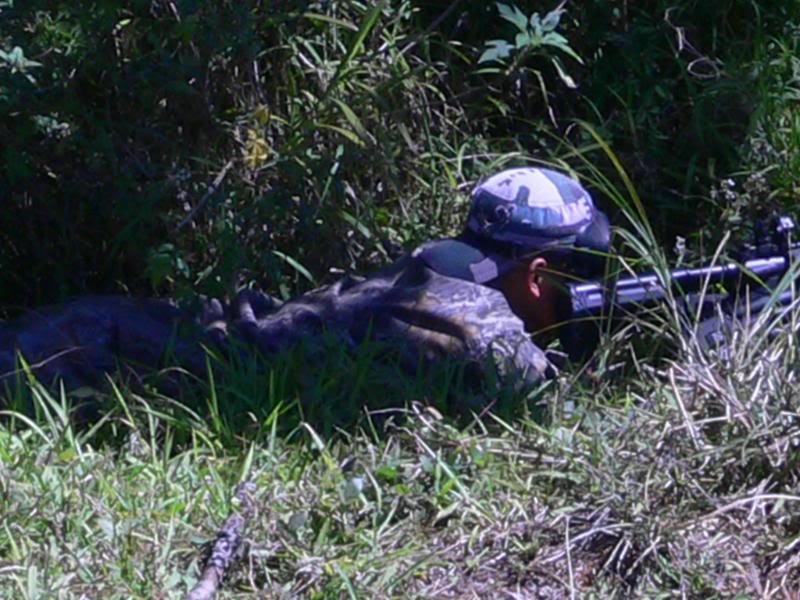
(492, 332)
(451, 318)
(82, 340)
(519, 362)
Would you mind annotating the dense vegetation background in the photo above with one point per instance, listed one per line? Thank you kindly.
(178, 146)
(157, 146)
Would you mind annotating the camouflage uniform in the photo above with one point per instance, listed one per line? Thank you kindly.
(426, 315)
(435, 303)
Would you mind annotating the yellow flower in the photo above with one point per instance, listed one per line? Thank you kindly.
(256, 149)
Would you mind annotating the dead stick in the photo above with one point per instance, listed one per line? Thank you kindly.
(226, 545)
(212, 189)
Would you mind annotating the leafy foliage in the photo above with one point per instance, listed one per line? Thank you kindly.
(533, 33)
(171, 147)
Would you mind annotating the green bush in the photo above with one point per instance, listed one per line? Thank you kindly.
(168, 147)
(326, 141)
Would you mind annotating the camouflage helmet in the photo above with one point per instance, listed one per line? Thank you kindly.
(517, 213)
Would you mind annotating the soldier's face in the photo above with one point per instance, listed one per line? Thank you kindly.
(533, 293)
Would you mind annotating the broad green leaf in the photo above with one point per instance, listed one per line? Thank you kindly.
(559, 41)
(551, 20)
(33, 590)
(297, 521)
(446, 512)
(496, 50)
(388, 473)
(161, 264)
(489, 55)
(514, 15)
(67, 455)
(522, 40)
(262, 114)
(17, 61)
(503, 47)
(247, 465)
(536, 25)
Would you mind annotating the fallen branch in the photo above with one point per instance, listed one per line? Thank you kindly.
(226, 545)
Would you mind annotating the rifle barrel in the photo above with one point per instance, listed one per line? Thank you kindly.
(772, 253)
(593, 298)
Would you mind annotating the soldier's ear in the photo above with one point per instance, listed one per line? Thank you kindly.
(535, 276)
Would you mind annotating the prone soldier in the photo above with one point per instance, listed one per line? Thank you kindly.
(491, 297)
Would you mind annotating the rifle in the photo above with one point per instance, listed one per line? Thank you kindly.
(739, 289)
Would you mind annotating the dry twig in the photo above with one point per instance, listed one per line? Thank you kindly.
(226, 546)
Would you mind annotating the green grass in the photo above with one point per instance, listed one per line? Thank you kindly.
(679, 479)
